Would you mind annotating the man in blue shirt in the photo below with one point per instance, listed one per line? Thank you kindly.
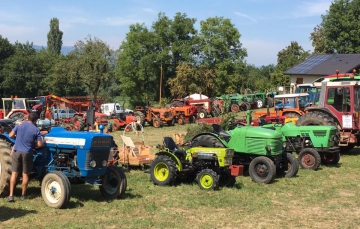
(27, 137)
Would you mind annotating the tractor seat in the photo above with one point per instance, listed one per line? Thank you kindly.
(217, 129)
(171, 145)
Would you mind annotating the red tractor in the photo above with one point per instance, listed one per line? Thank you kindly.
(338, 104)
(182, 111)
(204, 107)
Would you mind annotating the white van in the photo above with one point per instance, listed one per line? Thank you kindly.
(111, 108)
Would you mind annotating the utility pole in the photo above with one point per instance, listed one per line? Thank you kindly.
(161, 73)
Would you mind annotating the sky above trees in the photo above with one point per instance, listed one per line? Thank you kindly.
(266, 26)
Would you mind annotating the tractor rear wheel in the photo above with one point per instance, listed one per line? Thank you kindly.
(192, 119)
(262, 170)
(215, 112)
(171, 122)
(292, 167)
(17, 116)
(5, 168)
(316, 119)
(235, 108)
(55, 189)
(112, 183)
(140, 117)
(330, 158)
(208, 179)
(163, 170)
(309, 159)
(227, 180)
(156, 123)
(207, 141)
(78, 122)
(202, 113)
(123, 183)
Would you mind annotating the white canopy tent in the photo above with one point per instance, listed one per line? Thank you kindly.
(197, 96)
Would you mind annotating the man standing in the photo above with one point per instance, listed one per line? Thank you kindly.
(27, 136)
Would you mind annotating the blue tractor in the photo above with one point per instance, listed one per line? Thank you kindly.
(68, 157)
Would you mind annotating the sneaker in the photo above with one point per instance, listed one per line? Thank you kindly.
(10, 199)
(22, 197)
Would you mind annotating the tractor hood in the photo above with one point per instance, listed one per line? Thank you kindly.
(62, 138)
(255, 132)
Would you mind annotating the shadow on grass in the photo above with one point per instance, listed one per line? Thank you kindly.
(7, 213)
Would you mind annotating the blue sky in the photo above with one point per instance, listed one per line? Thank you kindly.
(266, 26)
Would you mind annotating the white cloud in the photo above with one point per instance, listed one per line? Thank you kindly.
(246, 16)
(309, 9)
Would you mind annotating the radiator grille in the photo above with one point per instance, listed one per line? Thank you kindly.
(96, 155)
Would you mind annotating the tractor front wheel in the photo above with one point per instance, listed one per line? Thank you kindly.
(262, 170)
(181, 121)
(259, 103)
(309, 159)
(5, 168)
(235, 108)
(330, 158)
(156, 122)
(202, 114)
(55, 189)
(163, 170)
(208, 179)
(113, 183)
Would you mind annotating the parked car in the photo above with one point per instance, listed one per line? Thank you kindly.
(111, 108)
(63, 113)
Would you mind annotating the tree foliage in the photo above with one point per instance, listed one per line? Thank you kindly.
(54, 37)
(339, 30)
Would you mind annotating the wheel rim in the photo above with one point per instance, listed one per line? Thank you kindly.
(308, 160)
(206, 181)
(260, 103)
(201, 115)
(180, 121)
(262, 170)
(156, 123)
(110, 184)
(161, 171)
(53, 191)
(235, 108)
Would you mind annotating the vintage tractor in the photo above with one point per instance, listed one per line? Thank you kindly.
(17, 108)
(314, 144)
(259, 149)
(234, 103)
(118, 117)
(68, 157)
(338, 105)
(290, 105)
(183, 111)
(205, 106)
(209, 166)
(154, 116)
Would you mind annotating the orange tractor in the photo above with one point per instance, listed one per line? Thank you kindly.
(154, 116)
(183, 111)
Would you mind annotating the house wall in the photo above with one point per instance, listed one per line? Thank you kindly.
(306, 79)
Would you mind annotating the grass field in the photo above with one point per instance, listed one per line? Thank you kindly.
(327, 198)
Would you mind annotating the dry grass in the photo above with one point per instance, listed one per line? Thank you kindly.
(327, 198)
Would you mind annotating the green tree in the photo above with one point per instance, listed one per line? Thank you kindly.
(6, 50)
(91, 63)
(339, 30)
(54, 37)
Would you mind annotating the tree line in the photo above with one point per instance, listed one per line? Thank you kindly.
(171, 53)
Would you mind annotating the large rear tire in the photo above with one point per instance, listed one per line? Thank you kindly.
(140, 117)
(5, 168)
(207, 141)
(17, 116)
(113, 184)
(316, 119)
(78, 122)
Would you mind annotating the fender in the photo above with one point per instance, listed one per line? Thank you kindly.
(173, 157)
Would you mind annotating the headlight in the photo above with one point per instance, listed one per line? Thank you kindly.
(104, 163)
(229, 153)
(93, 164)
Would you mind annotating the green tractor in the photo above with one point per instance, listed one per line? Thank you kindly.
(314, 144)
(211, 167)
(257, 148)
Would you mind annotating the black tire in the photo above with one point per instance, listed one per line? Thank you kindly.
(78, 122)
(177, 104)
(234, 108)
(140, 117)
(309, 159)
(123, 183)
(290, 169)
(291, 115)
(315, 119)
(330, 158)
(192, 119)
(171, 122)
(42, 115)
(262, 170)
(156, 123)
(270, 102)
(259, 103)
(215, 112)
(5, 168)
(202, 114)
(112, 182)
(207, 141)
(17, 116)
(208, 179)
(163, 170)
(56, 189)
